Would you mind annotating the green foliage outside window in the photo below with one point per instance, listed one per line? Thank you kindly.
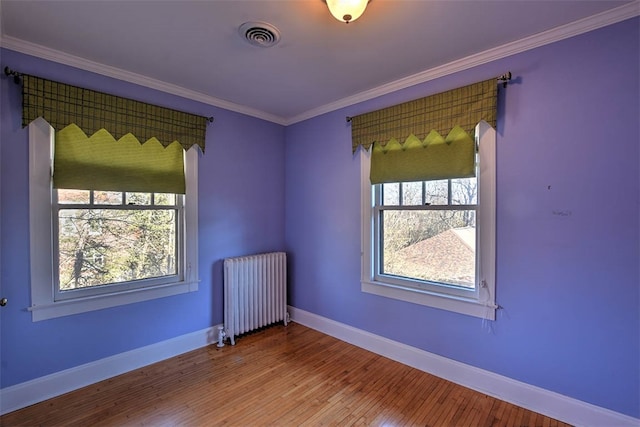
(129, 239)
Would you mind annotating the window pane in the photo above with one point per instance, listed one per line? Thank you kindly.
(436, 192)
(138, 198)
(102, 246)
(73, 196)
(464, 191)
(164, 199)
(437, 246)
(107, 198)
(391, 194)
(412, 193)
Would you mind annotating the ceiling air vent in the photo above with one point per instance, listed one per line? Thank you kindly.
(260, 34)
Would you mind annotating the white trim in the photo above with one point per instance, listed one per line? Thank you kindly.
(43, 388)
(366, 216)
(49, 310)
(534, 398)
(60, 57)
(562, 32)
(191, 219)
(453, 303)
(40, 225)
(487, 190)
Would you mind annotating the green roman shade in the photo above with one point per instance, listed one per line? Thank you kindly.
(432, 159)
(99, 162)
(428, 138)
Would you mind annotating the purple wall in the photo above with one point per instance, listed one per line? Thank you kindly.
(241, 211)
(569, 285)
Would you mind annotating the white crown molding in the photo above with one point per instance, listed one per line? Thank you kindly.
(534, 398)
(42, 52)
(581, 26)
(37, 390)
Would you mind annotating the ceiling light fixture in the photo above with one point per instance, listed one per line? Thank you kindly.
(347, 10)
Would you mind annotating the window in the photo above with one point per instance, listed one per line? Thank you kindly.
(433, 242)
(106, 241)
(98, 249)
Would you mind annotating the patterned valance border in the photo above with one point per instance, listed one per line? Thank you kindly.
(61, 104)
(463, 107)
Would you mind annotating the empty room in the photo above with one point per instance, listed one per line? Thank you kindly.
(320, 212)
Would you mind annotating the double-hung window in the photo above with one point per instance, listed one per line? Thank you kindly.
(428, 183)
(433, 242)
(426, 233)
(113, 199)
(105, 241)
(93, 249)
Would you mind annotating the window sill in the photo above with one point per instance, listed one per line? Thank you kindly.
(50, 310)
(470, 307)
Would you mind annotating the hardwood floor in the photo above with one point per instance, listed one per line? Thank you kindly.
(285, 376)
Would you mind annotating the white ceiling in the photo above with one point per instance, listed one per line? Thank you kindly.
(194, 47)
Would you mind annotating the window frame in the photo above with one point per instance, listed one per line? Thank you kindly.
(478, 303)
(41, 205)
(60, 295)
(378, 250)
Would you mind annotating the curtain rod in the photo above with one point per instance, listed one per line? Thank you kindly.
(16, 79)
(504, 79)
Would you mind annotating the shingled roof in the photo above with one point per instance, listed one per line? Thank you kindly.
(448, 257)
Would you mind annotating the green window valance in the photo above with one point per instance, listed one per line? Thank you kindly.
(463, 107)
(99, 162)
(62, 104)
(426, 139)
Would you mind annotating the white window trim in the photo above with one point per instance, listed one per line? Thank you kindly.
(483, 305)
(43, 305)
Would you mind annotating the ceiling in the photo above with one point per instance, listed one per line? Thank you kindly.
(194, 48)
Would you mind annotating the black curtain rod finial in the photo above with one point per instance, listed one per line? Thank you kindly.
(505, 78)
(16, 75)
(349, 119)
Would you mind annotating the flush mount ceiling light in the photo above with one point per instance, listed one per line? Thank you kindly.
(347, 10)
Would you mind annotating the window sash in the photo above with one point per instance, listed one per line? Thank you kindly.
(378, 248)
(62, 295)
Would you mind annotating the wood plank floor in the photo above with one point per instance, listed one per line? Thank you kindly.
(284, 376)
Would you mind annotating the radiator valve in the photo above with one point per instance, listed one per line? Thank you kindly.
(221, 336)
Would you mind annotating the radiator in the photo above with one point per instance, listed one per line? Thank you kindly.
(255, 292)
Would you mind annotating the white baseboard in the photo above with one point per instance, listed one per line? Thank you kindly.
(39, 389)
(534, 398)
